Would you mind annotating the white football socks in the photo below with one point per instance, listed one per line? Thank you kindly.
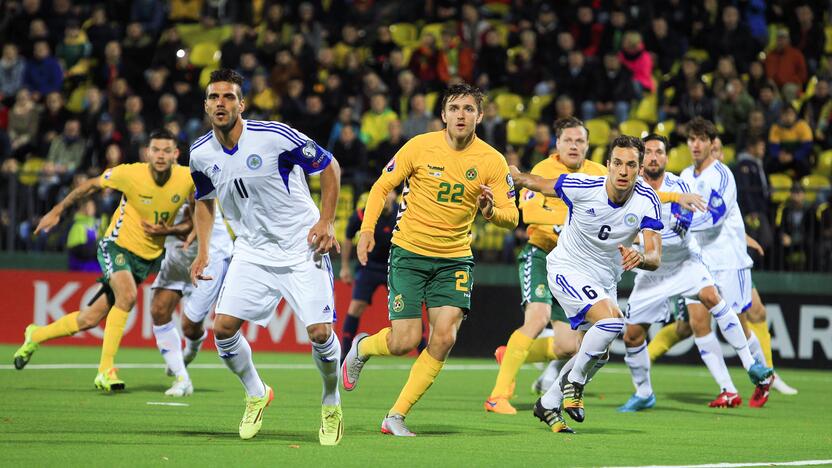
(326, 357)
(711, 354)
(170, 345)
(638, 360)
(236, 353)
(729, 325)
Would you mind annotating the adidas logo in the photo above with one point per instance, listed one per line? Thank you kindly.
(215, 169)
(326, 309)
(591, 211)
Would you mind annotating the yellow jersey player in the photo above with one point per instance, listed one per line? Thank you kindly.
(545, 217)
(447, 176)
(131, 248)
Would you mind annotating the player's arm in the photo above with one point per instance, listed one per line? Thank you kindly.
(203, 225)
(688, 201)
(533, 182)
(393, 174)
(650, 259)
(53, 217)
(720, 202)
(180, 229)
(498, 205)
(754, 245)
(322, 235)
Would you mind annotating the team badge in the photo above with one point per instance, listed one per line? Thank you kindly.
(528, 195)
(398, 303)
(175, 198)
(510, 181)
(471, 173)
(390, 166)
(108, 174)
(254, 161)
(120, 261)
(540, 290)
(309, 150)
(630, 219)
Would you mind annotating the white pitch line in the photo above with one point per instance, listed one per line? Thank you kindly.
(166, 403)
(737, 465)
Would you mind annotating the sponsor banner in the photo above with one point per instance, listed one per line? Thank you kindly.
(41, 297)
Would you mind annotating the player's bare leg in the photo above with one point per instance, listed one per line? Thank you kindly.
(565, 344)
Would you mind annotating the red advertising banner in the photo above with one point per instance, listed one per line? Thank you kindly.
(41, 297)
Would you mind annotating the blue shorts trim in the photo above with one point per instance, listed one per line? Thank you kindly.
(580, 319)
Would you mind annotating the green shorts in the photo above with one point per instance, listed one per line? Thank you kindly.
(415, 279)
(534, 286)
(113, 258)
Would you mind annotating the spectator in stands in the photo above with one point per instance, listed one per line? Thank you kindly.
(286, 68)
(169, 111)
(733, 38)
(566, 44)
(12, 69)
(406, 88)
(137, 52)
(786, 64)
(352, 155)
(240, 42)
(790, 144)
(756, 78)
(101, 139)
(575, 80)
(753, 192)
(277, 22)
(91, 109)
(612, 40)
(82, 240)
(816, 109)
(491, 62)
(694, 103)
(754, 127)
(664, 42)
(687, 75)
(66, 154)
(247, 69)
(418, 118)
(539, 147)
(636, 59)
(22, 18)
(38, 31)
(492, 128)
(168, 48)
(375, 123)
(754, 15)
(733, 108)
(455, 58)
(472, 27)
(387, 149)
(611, 91)
(74, 48)
(261, 103)
(525, 65)
(112, 67)
(43, 73)
(724, 73)
(345, 118)
(150, 14)
(293, 103)
(311, 30)
(315, 122)
(794, 221)
(53, 119)
(156, 85)
(382, 46)
(24, 119)
(770, 103)
(136, 141)
(101, 31)
(808, 36)
(587, 32)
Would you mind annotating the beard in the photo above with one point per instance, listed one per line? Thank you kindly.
(653, 174)
(227, 127)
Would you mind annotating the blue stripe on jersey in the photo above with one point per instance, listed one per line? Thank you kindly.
(562, 196)
(573, 185)
(654, 200)
(288, 131)
(202, 183)
(650, 223)
(276, 131)
(649, 192)
(199, 142)
(723, 177)
(585, 180)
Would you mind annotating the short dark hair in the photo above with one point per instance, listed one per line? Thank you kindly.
(463, 89)
(568, 122)
(228, 75)
(699, 126)
(754, 139)
(627, 141)
(162, 134)
(657, 137)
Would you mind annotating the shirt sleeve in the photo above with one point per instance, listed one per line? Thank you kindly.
(204, 188)
(722, 198)
(505, 213)
(307, 154)
(652, 214)
(116, 178)
(394, 173)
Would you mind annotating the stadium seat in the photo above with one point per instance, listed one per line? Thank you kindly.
(407, 52)
(518, 131)
(404, 34)
(509, 105)
(816, 187)
(502, 31)
(487, 236)
(205, 54)
(205, 76)
(665, 128)
(194, 33)
(647, 110)
(700, 55)
(75, 103)
(824, 164)
(679, 158)
(435, 30)
(30, 171)
(599, 132)
(633, 127)
(729, 155)
(431, 99)
(828, 32)
(781, 185)
(599, 154)
(536, 105)
(772, 35)
(315, 183)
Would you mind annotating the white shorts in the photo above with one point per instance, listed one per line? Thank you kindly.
(734, 287)
(252, 292)
(175, 272)
(175, 275)
(648, 303)
(577, 293)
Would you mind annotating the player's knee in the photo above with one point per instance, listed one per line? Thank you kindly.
(401, 344)
(443, 340)
(126, 300)
(683, 329)
(193, 331)
(318, 333)
(223, 331)
(159, 314)
(633, 338)
(709, 297)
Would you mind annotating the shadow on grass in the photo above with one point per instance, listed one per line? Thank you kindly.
(264, 436)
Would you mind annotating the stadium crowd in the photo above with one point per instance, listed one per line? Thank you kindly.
(83, 83)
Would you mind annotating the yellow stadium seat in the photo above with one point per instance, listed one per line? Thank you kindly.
(518, 131)
(824, 164)
(828, 31)
(781, 185)
(813, 185)
(205, 76)
(647, 109)
(729, 155)
(435, 30)
(536, 105)
(205, 54)
(407, 52)
(194, 33)
(599, 132)
(509, 105)
(665, 128)
(431, 99)
(75, 103)
(679, 158)
(30, 171)
(487, 236)
(502, 31)
(633, 127)
(772, 35)
(315, 183)
(599, 154)
(404, 34)
(362, 200)
(700, 55)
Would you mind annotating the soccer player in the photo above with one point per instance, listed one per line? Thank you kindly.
(256, 172)
(720, 233)
(447, 175)
(152, 194)
(545, 217)
(681, 273)
(605, 215)
(171, 284)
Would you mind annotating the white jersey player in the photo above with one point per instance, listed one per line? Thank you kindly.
(256, 171)
(172, 284)
(720, 232)
(681, 273)
(605, 215)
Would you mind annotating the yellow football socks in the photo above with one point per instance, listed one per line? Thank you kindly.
(422, 375)
(542, 350)
(116, 321)
(517, 349)
(64, 326)
(761, 330)
(375, 345)
(663, 341)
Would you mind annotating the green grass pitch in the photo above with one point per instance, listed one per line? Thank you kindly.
(54, 417)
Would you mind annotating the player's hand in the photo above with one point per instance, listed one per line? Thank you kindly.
(189, 239)
(754, 245)
(692, 202)
(155, 229)
(197, 269)
(346, 274)
(630, 258)
(322, 238)
(49, 220)
(485, 201)
(366, 243)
